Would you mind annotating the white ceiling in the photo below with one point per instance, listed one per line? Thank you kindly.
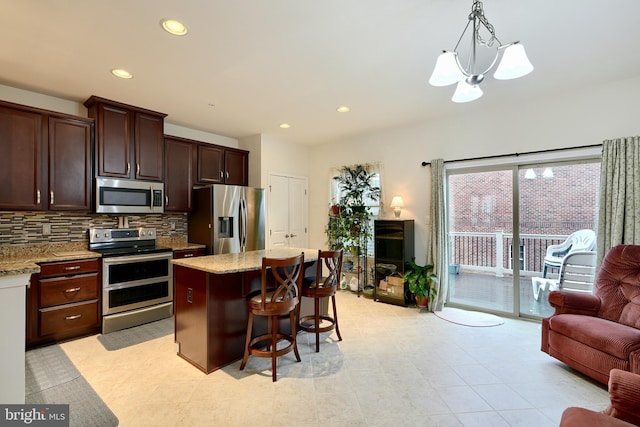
(264, 62)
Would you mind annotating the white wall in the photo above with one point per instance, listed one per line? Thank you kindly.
(568, 120)
(283, 157)
(198, 135)
(37, 100)
(253, 144)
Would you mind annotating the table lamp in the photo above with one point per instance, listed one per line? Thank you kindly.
(397, 204)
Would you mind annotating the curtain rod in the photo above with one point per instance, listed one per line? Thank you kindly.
(498, 156)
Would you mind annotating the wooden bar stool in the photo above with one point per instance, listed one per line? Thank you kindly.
(278, 296)
(322, 287)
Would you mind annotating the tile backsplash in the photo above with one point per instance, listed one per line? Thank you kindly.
(20, 228)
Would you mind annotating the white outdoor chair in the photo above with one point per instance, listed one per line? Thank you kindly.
(577, 274)
(581, 240)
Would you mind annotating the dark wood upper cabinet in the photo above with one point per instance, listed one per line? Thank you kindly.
(178, 174)
(236, 167)
(149, 146)
(22, 154)
(113, 138)
(222, 165)
(45, 160)
(129, 140)
(69, 164)
(210, 164)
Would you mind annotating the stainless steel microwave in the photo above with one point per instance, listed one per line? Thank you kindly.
(123, 196)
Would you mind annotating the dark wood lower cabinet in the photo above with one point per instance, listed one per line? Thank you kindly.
(210, 316)
(63, 302)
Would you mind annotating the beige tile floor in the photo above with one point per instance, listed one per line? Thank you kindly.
(395, 366)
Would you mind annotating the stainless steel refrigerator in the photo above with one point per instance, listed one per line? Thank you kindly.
(228, 218)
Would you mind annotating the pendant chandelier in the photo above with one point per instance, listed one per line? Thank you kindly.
(449, 69)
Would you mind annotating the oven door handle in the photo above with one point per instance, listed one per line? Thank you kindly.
(136, 258)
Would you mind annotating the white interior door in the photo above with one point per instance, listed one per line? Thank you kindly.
(288, 204)
(298, 213)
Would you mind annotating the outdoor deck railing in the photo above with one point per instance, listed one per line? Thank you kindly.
(494, 252)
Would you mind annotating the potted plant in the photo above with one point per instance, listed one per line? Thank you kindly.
(356, 185)
(351, 227)
(421, 280)
(337, 231)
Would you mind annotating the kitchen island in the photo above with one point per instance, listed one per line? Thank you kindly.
(209, 303)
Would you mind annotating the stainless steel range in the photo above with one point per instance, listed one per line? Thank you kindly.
(137, 278)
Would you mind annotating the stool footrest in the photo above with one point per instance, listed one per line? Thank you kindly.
(312, 328)
(257, 351)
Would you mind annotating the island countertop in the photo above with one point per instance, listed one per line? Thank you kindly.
(240, 262)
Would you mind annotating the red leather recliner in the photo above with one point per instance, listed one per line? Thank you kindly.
(623, 410)
(596, 333)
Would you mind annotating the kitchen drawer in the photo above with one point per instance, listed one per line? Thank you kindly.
(64, 290)
(66, 268)
(68, 317)
(188, 253)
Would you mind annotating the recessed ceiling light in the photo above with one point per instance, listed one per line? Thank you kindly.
(123, 74)
(343, 109)
(285, 125)
(174, 27)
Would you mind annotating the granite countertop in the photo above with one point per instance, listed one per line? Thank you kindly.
(178, 243)
(247, 261)
(24, 259)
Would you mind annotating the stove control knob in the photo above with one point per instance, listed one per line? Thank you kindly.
(106, 234)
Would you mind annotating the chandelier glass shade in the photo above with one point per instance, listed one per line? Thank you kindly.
(449, 70)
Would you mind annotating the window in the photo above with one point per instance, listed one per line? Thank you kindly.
(347, 190)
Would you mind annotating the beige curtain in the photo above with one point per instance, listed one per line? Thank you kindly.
(619, 194)
(438, 247)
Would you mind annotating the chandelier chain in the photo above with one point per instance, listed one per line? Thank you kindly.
(477, 12)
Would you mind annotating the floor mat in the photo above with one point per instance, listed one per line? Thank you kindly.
(47, 367)
(468, 318)
(51, 378)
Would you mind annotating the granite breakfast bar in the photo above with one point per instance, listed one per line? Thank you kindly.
(209, 303)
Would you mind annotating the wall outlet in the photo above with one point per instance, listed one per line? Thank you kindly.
(46, 229)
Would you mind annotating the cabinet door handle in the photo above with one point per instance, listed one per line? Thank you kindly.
(38, 197)
(227, 174)
(51, 196)
(128, 168)
(221, 175)
(286, 236)
(71, 290)
(187, 255)
(166, 200)
(137, 168)
(75, 267)
(77, 316)
(293, 235)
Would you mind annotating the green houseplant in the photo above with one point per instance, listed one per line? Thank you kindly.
(349, 223)
(421, 281)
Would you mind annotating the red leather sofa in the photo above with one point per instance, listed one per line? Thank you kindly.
(595, 333)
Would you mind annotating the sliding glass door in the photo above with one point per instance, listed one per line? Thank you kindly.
(501, 221)
(480, 215)
(555, 201)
